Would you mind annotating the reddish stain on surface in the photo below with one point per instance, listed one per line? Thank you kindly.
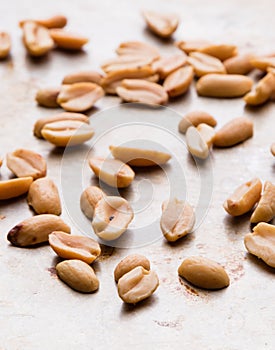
(52, 271)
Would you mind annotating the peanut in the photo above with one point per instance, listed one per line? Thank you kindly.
(37, 39)
(194, 119)
(205, 64)
(47, 97)
(122, 63)
(263, 63)
(67, 40)
(178, 82)
(137, 48)
(272, 149)
(196, 144)
(14, 187)
(163, 25)
(220, 51)
(5, 45)
(207, 133)
(167, 65)
(264, 90)
(192, 45)
(83, 77)
(57, 21)
(265, 210)
(239, 64)
(129, 263)
(88, 200)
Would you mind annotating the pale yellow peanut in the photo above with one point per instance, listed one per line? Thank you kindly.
(89, 198)
(239, 64)
(14, 187)
(263, 91)
(57, 21)
(196, 144)
(263, 63)
(79, 97)
(178, 82)
(220, 51)
(142, 91)
(224, 85)
(36, 229)
(24, 162)
(192, 45)
(112, 171)
(129, 263)
(37, 39)
(163, 25)
(74, 247)
(195, 118)
(205, 64)
(204, 273)
(137, 285)
(112, 216)
(272, 149)
(78, 275)
(261, 243)
(177, 219)
(265, 210)
(47, 97)
(244, 198)
(137, 48)
(234, 132)
(67, 132)
(43, 197)
(124, 62)
(68, 40)
(207, 133)
(166, 65)
(139, 156)
(83, 77)
(40, 123)
(5, 45)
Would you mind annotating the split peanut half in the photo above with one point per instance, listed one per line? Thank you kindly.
(163, 25)
(265, 210)
(57, 21)
(137, 48)
(166, 65)
(122, 63)
(195, 118)
(192, 45)
(89, 199)
(199, 140)
(129, 263)
(178, 82)
(264, 90)
(47, 97)
(83, 77)
(37, 39)
(239, 64)
(263, 63)
(5, 45)
(205, 64)
(68, 40)
(15, 187)
(220, 51)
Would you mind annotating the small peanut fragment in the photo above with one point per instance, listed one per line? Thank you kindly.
(89, 199)
(204, 273)
(167, 65)
(196, 144)
(261, 242)
(43, 197)
(57, 21)
(112, 216)
(205, 64)
(194, 119)
(272, 149)
(236, 131)
(207, 133)
(220, 51)
(129, 263)
(178, 82)
(177, 219)
(265, 210)
(239, 64)
(122, 63)
(47, 97)
(78, 275)
(264, 90)
(112, 171)
(192, 45)
(137, 285)
(37, 39)
(36, 229)
(14, 187)
(24, 162)
(263, 63)
(5, 45)
(67, 40)
(74, 247)
(163, 25)
(137, 48)
(83, 77)
(244, 198)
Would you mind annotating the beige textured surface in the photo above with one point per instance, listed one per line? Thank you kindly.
(39, 312)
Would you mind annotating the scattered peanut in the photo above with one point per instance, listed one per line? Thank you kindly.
(67, 40)
(263, 90)
(167, 65)
(164, 25)
(123, 63)
(14, 187)
(220, 51)
(196, 144)
(239, 64)
(47, 97)
(137, 48)
(57, 21)
(265, 210)
(178, 82)
(129, 263)
(83, 77)
(207, 133)
(263, 63)
(37, 39)
(192, 45)
(194, 119)
(205, 64)
(88, 200)
(5, 45)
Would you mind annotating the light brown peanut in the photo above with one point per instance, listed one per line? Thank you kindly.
(142, 91)
(137, 285)
(192, 45)
(129, 263)
(47, 97)
(205, 64)
(37, 39)
(220, 51)
(177, 219)
(57, 21)
(40, 123)
(79, 97)
(236, 131)
(204, 273)
(261, 242)
(137, 48)
(265, 210)
(178, 82)
(264, 90)
(224, 85)
(263, 63)
(14, 187)
(24, 162)
(139, 156)
(163, 25)
(88, 200)
(196, 144)
(272, 149)
(83, 77)
(65, 133)
(112, 171)
(112, 217)
(207, 133)
(124, 62)
(68, 40)
(74, 247)
(36, 229)
(43, 197)
(78, 275)
(239, 64)
(5, 45)
(244, 198)
(195, 118)
(166, 65)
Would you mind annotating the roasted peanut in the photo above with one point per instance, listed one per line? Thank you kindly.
(163, 25)
(36, 229)
(37, 39)
(47, 97)
(261, 242)
(264, 90)
(263, 63)
(112, 217)
(129, 263)
(24, 162)
(239, 64)
(204, 273)
(122, 63)
(192, 45)
(43, 197)
(67, 40)
(196, 144)
(137, 48)
(220, 51)
(265, 210)
(57, 21)
(194, 119)
(244, 198)
(178, 82)
(112, 171)
(272, 149)
(139, 156)
(177, 219)
(234, 132)
(166, 65)
(136, 285)
(14, 187)
(5, 45)
(205, 64)
(88, 200)
(207, 133)
(83, 77)
(78, 275)
(74, 247)
(224, 85)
